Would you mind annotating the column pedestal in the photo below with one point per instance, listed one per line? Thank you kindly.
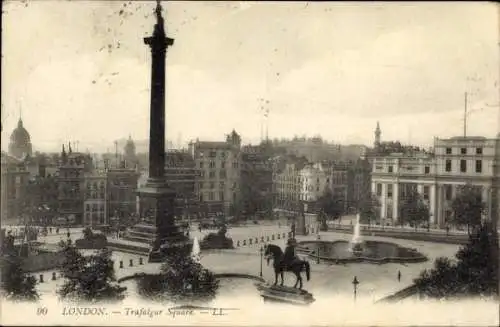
(162, 231)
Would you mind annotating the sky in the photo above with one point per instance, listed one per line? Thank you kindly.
(79, 70)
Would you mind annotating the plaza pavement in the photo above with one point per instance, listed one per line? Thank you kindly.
(375, 280)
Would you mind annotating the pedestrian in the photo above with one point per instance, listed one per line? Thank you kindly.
(399, 275)
(50, 230)
(57, 231)
(68, 234)
(447, 230)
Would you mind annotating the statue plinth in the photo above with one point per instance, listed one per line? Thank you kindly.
(285, 294)
(163, 228)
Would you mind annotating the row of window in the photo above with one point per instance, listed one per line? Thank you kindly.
(211, 196)
(464, 151)
(448, 191)
(95, 185)
(211, 164)
(390, 188)
(211, 185)
(213, 154)
(211, 174)
(97, 217)
(463, 166)
(448, 167)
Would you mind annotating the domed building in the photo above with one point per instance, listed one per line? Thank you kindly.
(20, 142)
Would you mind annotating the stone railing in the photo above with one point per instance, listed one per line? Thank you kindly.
(406, 234)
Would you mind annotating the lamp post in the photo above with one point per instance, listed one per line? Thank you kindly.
(261, 258)
(355, 283)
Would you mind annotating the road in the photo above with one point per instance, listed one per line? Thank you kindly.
(376, 281)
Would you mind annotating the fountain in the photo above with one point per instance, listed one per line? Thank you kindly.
(356, 238)
(358, 250)
(195, 252)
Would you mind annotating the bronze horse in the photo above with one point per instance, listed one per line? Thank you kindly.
(296, 267)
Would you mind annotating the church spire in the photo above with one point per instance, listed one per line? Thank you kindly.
(63, 154)
(20, 121)
(377, 135)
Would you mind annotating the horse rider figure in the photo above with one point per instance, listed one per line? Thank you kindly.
(290, 258)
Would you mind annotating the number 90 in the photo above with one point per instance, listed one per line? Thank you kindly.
(41, 311)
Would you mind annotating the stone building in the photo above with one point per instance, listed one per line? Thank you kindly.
(218, 183)
(129, 154)
(43, 194)
(121, 193)
(14, 181)
(94, 204)
(71, 180)
(456, 161)
(181, 174)
(110, 196)
(358, 183)
(287, 183)
(256, 181)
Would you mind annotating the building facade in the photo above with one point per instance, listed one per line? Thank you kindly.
(94, 205)
(121, 193)
(456, 162)
(358, 183)
(14, 179)
(313, 180)
(287, 189)
(181, 174)
(71, 183)
(218, 183)
(129, 154)
(43, 192)
(257, 180)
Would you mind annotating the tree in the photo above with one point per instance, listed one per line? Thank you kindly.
(182, 279)
(414, 210)
(16, 283)
(468, 207)
(369, 209)
(474, 274)
(89, 279)
(329, 206)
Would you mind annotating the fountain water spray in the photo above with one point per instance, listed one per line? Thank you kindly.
(195, 252)
(356, 237)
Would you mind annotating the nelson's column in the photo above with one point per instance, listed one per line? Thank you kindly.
(156, 190)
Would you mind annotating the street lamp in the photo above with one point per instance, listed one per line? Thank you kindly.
(355, 283)
(261, 258)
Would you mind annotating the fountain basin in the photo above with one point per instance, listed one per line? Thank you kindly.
(377, 252)
(231, 286)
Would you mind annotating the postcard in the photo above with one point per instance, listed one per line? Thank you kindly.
(250, 163)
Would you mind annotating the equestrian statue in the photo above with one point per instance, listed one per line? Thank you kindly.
(287, 261)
